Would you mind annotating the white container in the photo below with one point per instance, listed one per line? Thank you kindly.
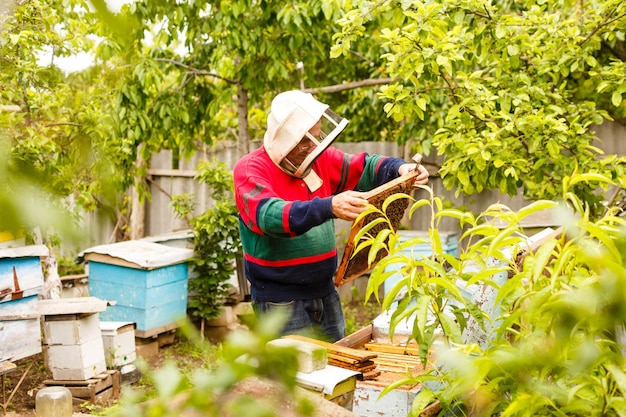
(71, 327)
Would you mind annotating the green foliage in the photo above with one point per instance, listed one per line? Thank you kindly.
(359, 313)
(68, 266)
(210, 389)
(56, 157)
(553, 345)
(216, 243)
(186, 89)
(506, 91)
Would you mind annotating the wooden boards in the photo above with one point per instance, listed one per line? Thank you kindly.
(344, 357)
(98, 389)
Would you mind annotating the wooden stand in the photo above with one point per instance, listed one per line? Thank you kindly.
(149, 346)
(99, 389)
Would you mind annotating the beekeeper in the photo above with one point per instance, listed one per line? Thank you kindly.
(288, 192)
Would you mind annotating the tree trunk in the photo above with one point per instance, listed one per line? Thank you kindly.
(138, 209)
(242, 119)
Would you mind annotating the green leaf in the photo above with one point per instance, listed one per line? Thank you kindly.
(616, 98)
(423, 398)
(450, 327)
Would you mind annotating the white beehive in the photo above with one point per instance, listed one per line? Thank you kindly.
(71, 328)
(118, 339)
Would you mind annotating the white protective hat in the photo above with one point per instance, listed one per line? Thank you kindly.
(292, 115)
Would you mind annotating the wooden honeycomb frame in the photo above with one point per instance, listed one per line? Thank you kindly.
(353, 265)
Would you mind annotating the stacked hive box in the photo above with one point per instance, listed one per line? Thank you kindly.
(146, 282)
(71, 328)
(21, 282)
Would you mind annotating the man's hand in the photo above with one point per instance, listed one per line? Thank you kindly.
(422, 177)
(348, 205)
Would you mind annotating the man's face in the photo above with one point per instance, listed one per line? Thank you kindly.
(317, 129)
(297, 155)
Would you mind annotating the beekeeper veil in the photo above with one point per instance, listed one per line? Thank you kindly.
(295, 116)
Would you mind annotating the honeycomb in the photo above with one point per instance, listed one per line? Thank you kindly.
(353, 265)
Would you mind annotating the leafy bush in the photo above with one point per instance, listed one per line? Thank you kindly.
(216, 240)
(553, 345)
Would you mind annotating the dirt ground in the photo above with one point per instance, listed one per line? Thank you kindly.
(30, 374)
(20, 386)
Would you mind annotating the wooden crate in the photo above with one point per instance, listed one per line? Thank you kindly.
(98, 389)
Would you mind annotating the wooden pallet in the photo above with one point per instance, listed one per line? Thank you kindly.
(99, 389)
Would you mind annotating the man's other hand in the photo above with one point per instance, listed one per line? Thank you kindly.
(422, 177)
(348, 205)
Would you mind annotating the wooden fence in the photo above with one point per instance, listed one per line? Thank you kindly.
(165, 181)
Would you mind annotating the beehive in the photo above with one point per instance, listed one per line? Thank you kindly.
(148, 283)
(71, 329)
(21, 282)
(119, 342)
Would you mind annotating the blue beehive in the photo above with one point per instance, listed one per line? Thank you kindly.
(21, 283)
(148, 283)
(449, 245)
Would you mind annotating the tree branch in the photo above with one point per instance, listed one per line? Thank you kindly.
(606, 22)
(62, 124)
(349, 86)
(618, 52)
(195, 71)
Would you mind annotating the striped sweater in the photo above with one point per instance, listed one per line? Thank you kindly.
(287, 232)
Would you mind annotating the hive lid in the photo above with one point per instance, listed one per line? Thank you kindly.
(25, 251)
(112, 328)
(326, 379)
(136, 254)
(353, 265)
(71, 306)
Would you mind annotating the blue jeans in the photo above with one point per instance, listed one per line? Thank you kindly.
(319, 317)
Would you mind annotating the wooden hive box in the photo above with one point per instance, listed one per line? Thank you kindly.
(21, 282)
(148, 283)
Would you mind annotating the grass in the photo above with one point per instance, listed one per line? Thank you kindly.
(359, 313)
